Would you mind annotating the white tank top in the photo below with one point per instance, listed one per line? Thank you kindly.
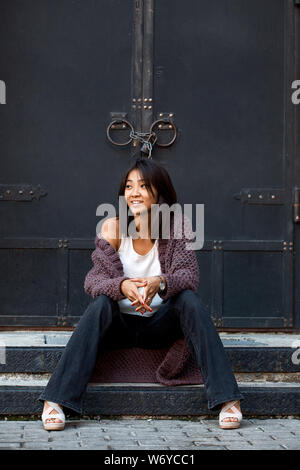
(136, 265)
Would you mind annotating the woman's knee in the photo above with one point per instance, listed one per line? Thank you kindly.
(102, 299)
(101, 304)
(190, 301)
(188, 295)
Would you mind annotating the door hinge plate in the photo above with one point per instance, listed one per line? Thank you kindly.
(20, 192)
(268, 196)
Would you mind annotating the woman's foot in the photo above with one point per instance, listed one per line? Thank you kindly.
(226, 421)
(54, 412)
(237, 405)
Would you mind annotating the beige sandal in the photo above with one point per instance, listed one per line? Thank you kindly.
(224, 414)
(60, 415)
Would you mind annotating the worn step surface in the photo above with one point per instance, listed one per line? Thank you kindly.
(39, 352)
(19, 397)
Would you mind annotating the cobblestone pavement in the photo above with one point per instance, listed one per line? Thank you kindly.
(164, 434)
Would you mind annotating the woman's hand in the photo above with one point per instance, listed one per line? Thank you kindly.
(150, 290)
(129, 288)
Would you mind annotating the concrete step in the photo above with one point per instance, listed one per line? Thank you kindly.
(266, 366)
(39, 352)
(18, 396)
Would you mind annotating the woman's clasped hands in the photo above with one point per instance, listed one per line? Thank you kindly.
(129, 288)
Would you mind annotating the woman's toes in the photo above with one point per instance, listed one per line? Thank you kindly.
(53, 412)
(53, 420)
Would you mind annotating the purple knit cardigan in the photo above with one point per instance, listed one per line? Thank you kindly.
(178, 265)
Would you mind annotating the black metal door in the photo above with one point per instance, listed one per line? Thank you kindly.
(66, 65)
(220, 72)
(225, 70)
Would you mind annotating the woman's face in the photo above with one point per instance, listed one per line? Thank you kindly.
(136, 190)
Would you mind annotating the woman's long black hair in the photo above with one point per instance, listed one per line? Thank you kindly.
(156, 175)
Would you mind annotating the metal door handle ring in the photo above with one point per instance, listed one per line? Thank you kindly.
(118, 121)
(170, 124)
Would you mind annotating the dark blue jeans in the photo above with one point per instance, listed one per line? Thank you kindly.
(102, 325)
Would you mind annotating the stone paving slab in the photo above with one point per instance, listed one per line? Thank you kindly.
(9, 446)
(152, 434)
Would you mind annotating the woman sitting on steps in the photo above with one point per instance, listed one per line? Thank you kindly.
(144, 293)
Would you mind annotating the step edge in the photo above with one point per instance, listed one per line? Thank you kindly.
(263, 385)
